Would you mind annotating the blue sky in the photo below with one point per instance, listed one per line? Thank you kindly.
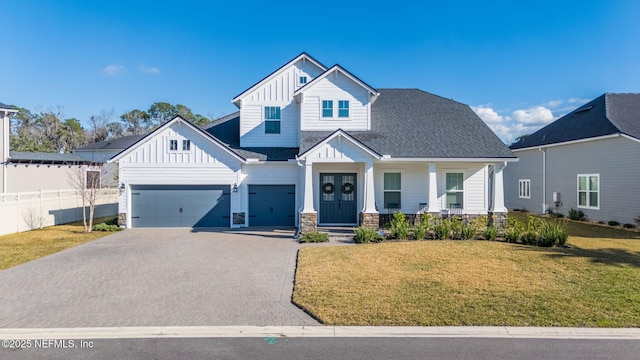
(519, 64)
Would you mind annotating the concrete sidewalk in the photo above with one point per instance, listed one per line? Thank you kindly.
(322, 331)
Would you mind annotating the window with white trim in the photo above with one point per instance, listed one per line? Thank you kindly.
(589, 191)
(343, 108)
(302, 80)
(173, 145)
(327, 108)
(524, 188)
(186, 145)
(272, 119)
(455, 190)
(392, 190)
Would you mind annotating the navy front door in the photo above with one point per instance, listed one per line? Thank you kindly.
(338, 199)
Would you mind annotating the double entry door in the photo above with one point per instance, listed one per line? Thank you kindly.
(338, 198)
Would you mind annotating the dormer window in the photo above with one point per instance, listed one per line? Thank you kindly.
(272, 120)
(327, 108)
(302, 80)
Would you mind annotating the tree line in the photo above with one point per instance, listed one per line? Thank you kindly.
(47, 131)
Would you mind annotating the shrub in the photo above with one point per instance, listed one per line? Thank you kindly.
(456, 226)
(106, 227)
(613, 223)
(420, 231)
(529, 237)
(576, 214)
(468, 232)
(628, 226)
(552, 233)
(365, 235)
(314, 237)
(514, 230)
(442, 229)
(399, 226)
(112, 221)
(490, 233)
(479, 223)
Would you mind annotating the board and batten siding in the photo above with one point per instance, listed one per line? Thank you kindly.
(338, 149)
(615, 160)
(335, 87)
(278, 91)
(152, 163)
(529, 166)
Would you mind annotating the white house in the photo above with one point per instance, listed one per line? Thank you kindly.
(587, 160)
(315, 145)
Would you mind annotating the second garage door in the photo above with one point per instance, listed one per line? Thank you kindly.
(180, 206)
(272, 205)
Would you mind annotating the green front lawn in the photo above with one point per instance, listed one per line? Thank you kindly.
(594, 282)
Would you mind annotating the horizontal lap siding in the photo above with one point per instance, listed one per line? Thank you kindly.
(415, 186)
(475, 186)
(529, 166)
(331, 88)
(616, 160)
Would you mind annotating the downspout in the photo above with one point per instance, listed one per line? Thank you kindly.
(544, 179)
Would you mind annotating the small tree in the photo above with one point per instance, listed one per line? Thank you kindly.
(87, 182)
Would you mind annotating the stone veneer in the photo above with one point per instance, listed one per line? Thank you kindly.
(122, 219)
(499, 219)
(370, 220)
(308, 222)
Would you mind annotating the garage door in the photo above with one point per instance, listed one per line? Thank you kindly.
(272, 205)
(180, 206)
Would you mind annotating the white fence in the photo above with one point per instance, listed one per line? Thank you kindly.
(24, 211)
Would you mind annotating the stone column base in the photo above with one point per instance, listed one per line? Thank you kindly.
(122, 219)
(308, 222)
(371, 220)
(497, 219)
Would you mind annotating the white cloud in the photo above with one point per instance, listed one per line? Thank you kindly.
(578, 101)
(113, 69)
(555, 103)
(489, 115)
(149, 70)
(538, 115)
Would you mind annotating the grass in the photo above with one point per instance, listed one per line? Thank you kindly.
(594, 282)
(22, 247)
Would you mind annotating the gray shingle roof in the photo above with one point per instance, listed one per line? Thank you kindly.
(416, 124)
(114, 144)
(605, 115)
(227, 130)
(44, 157)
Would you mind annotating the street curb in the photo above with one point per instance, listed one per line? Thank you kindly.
(321, 331)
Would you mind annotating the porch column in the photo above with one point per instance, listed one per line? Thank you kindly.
(369, 216)
(498, 190)
(433, 206)
(498, 212)
(308, 216)
(308, 188)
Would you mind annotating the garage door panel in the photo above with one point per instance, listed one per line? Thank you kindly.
(272, 205)
(180, 206)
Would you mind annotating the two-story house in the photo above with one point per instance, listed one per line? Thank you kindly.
(315, 145)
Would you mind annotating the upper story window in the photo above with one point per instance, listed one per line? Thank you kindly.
(186, 145)
(272, 120)
(589, 191)
(327, 108)
(343, 108)
(173, 145)
(302, 80)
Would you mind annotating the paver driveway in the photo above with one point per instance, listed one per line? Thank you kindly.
(158, 277)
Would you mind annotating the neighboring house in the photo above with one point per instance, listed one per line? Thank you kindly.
(587, 160)
(5, 112)
(102, 151)
(315, 145)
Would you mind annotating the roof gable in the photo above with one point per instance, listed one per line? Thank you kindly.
(302, 57)
(176, 121)
(607, 114)
(339, 145)
(337, 69)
